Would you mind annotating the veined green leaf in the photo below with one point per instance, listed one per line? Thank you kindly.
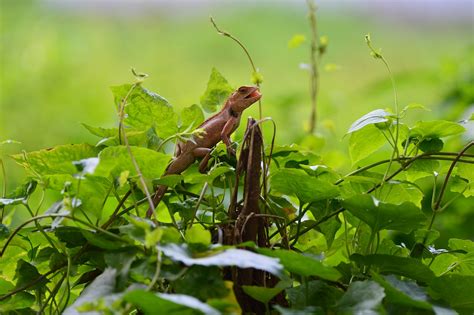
(364, 142)
(228, 257)
(150, 303)
(404, 217)
(301, 264)
(145, 109)
(57, 160)
(297, 183)
(217, 91)
(191, 118)
(114, 160)
(436, 129)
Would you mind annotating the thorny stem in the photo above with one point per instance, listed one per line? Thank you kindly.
(255, 70)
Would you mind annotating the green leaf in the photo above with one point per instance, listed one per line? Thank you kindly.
(301, 264)
(456, 290)
(58, 160)
(402, 266)
(228, 257)
(362, 297)
(114, 160)
(405, 217)
(5, 286)
(421, 169)
(198, 234)
(415, 106)
(403, 292)
(101, 132)
(19, 301)
(70, 235)
(150, 303)
(146, 110)
(191, 118)
(365, 142)
(202, 282)
(315, 293)
(431, 145)
(436, 129)
(261, 294)
(217, 92)
(110, 136)
(306, 188)
(102, 286)
(20, 194)
(26, 273)
(374, 117)
(460, 244)
(396, 192)
(102, 241)
(296, 40)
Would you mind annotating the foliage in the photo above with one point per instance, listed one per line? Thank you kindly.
(333, 244)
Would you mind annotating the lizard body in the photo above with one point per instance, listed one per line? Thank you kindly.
(216, 128)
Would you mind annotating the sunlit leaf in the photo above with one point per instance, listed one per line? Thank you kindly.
(301, 264)
(217, 91)
(365, 142)
(149, 303)
(374, 117)
(191, 117)
(145, 109)
(306, 188)
(114, 160)
(57, 160)
(436, 129)
(228, 257)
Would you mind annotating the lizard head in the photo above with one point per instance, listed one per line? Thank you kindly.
(243, 97)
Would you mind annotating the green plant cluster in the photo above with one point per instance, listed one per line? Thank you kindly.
(332, 236)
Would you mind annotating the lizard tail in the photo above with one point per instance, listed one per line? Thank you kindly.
(159, 193)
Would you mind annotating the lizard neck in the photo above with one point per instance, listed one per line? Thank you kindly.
(233, 113)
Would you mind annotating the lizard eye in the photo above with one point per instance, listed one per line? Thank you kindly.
(242, 90)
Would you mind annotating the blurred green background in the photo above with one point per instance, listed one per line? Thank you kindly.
(58, 59)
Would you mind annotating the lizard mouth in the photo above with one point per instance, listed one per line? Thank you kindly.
(254, 94)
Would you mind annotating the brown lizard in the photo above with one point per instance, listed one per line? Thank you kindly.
(216, 128)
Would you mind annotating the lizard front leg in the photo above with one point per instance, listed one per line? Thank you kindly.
(229, 127)
(205, 153)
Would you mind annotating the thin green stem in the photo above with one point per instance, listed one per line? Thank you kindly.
(252, 64)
